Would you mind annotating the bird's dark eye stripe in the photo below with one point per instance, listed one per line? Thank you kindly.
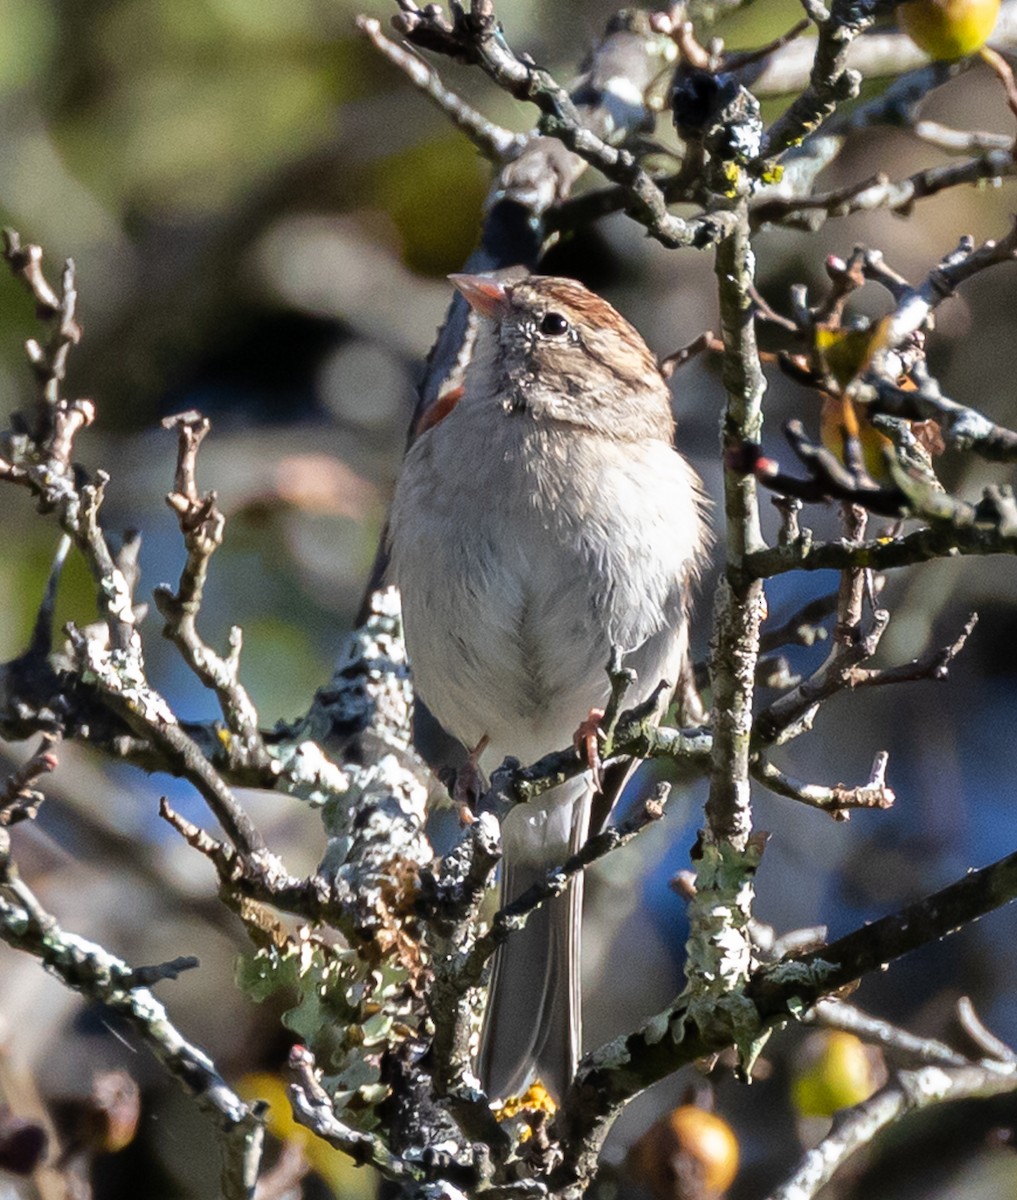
(554, 324)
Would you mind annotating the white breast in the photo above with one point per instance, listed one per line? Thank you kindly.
(515, 587)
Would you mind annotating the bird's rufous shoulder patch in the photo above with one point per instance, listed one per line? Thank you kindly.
(439, 410)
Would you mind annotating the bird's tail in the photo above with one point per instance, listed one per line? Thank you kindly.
(532, 1026)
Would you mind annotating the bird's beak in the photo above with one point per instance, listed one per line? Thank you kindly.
(483, 294)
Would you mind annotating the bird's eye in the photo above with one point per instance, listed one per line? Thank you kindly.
(554, 324)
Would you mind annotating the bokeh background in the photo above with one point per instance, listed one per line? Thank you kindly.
(262, 213)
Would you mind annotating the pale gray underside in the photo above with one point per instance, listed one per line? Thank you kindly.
(517, 580)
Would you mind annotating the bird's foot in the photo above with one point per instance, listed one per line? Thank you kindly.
(586, 740)
(469, 784)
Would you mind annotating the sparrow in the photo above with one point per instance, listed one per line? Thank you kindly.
(545, 519)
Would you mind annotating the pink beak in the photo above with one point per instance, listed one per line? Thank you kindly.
(483, 294)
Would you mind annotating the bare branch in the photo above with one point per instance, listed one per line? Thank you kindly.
(49, 361)
(127, 692)
(477, 37)
(794, 710)
(19, 800)
(879, 192)
(496, 144)
(837, 799)
(87, 968)
(934, 664)
(609, 1076)
(829, 478)
(966, 529)
(983, 1038)
(903, 1046)
(313, 1107)
(962, 427)
(830, 80)
(257, 878)
(514, 915)
(909, 1091)
(797, 982)
(202, 525)
(803, 628)
(961, 264)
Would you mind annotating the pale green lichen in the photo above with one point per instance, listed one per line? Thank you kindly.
(612, 1055)
(810, 977)
(346, 1012)
(720, 949)
(655, 1029)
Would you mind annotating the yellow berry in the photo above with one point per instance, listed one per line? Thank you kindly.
(948, 28)
(836, 1071)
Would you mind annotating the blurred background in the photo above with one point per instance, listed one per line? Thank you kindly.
(262, 213)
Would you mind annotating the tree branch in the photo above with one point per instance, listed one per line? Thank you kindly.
(87, 968)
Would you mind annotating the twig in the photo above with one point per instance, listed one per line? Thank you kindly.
(961, 141)
(49, 361)
(790, 713)
(983, 1038)
(738, 62)
(829, 478)
(803, 628)
(19, 800)
(961, 264)
(636, 735)
(87, 968)
(798, 982)
(830, 80)
(678, 358)
(313, 1107)
(837, 799)
(904, 1046)
(255, 878)
(514, 916)
(202, 524)
(809, 212)
(496, 144)
(962, 427)
(128, 693)
(964, 529)
(621, 679)
(934, 664)
(146, 976)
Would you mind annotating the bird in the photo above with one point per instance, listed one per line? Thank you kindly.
(542, 521)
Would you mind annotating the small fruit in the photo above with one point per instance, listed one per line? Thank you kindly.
(836, 1070)
(691, 1154)
(947, 29)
